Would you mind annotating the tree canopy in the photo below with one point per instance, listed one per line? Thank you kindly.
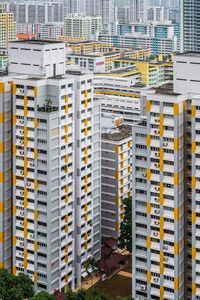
(125, 239)
(15, 287)
(20, 287)
(43, 296)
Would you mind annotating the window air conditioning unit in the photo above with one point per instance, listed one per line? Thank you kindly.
(166, 259)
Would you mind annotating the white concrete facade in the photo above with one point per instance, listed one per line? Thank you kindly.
(36, 58)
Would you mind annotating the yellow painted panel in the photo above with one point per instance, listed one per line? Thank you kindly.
(35, 153)
(1, 147)
(161, 153)
(161, 233)
(1, 206)
(14, 210)
(1, 237)
(148, 140)
(35, 184)
(176, 214)
(35, 246)
(193, 111)
(194, 288)
(1, 117)
(193, 147)
(14, 119)
(14, 270)
(176, 249)
(35, 215)
(66, 128)
(193, 182)
(25, 162)
(117, 200)
(176, 284)
(117, 148)
(86, 122)
(161, 221)
(25, 111)
(148, 242)
(148, 208)
(161, 117)
(148, 105)
(35, 276)
(14, 240)
(85, 132)
(161, 129)
(14, 149)
(194, 252)
(35, 91)
(161, 188)
(86, 103)
(25, 192)
(148, 174)
(1, 265)
(2, 87)
(14, 89)
(176, 144)
(25, 100)
(66, 99)
(35, 123)
(176, 178)
(66, 199)
(148, 276)
(193, 217)
(86, 150)
(161, 200)
(176, 109)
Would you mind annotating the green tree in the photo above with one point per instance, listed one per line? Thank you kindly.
(25, 284)
(95, 294)
(43, 296)
(70, 295)
(125, 239)
(15, 287)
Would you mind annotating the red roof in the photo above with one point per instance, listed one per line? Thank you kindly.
(110, 242)
(108, 264)
(105, 251)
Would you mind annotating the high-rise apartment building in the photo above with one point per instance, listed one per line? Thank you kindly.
(190, 25)
(116, 148)
(7, 27)
(56, 169)
(80, 26)
(35, 12)
(158, 190)
(138, 10)
(165, 187)
(5, 172)
(107, 11)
